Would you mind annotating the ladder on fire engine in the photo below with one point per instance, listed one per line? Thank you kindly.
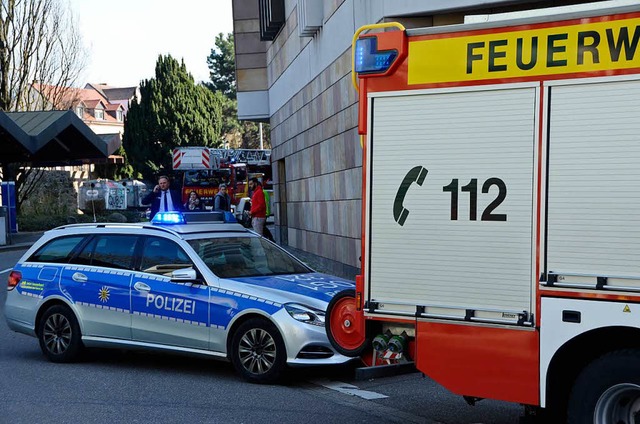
(248, 156)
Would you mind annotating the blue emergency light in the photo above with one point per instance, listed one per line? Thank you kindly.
(168, 218)
(368, 60)
(174, 218)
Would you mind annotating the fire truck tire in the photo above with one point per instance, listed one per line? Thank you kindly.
(342, 332)
(607, 390)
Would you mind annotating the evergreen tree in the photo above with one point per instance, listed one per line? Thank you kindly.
(173, 111)
(222, 66)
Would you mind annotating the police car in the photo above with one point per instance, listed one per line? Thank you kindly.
(176, 284)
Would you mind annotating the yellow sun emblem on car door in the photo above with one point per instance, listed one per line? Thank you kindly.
(103, 294)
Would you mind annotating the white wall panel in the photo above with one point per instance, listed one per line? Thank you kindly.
(431, 259)
(594, 179)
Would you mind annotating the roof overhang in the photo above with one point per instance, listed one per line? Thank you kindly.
(49, 138)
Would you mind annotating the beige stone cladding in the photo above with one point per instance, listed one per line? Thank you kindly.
(315, 135)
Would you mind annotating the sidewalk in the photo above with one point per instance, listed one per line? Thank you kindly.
(22, 240)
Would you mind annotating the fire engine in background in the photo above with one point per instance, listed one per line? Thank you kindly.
(501, 235)
(204, 169)
(258, 162)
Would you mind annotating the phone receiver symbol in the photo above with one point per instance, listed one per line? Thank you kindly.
(415, 175)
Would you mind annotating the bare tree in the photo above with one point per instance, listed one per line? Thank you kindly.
(39, 42)
(41, 60)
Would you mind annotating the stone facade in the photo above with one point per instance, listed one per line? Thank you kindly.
(311, 104)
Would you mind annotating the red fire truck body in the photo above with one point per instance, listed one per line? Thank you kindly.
(501, 208)
(204, 171)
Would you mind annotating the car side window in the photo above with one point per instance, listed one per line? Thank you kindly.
(162, 256)
(59, 250)
(109, 250)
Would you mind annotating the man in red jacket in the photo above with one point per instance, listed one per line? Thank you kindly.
(258, 206)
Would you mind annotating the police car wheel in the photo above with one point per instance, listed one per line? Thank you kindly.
(258, 352)
(59, 334)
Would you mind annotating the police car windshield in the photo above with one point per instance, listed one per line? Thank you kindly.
(237, 257)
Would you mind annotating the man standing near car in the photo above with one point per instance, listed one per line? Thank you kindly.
(222, 201)
(162, 198)
(258, 211)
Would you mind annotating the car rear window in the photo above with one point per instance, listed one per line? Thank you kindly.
(111, 250)
(58, 250)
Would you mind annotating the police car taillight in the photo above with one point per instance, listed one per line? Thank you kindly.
(14, 279)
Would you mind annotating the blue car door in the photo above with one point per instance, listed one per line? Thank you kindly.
(167, 312)
(41, 271)
(98, 281)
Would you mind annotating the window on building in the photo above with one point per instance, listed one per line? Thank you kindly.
(98, 113)
(119, 115)
(80, 112)
(272, 18)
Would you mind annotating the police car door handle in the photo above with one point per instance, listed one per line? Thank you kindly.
(79, 277)
(141, 287)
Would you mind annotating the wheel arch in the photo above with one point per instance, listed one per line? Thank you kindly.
(241, 319)
(52, 302)
(577, 353)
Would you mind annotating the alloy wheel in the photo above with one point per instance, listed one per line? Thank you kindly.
(257, 351)
(57, 334)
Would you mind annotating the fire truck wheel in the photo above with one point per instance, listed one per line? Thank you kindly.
(607, 390)
(342, 331)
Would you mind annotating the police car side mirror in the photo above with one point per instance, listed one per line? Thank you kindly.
(184, 274)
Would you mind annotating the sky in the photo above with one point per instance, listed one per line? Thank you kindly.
(124, 37)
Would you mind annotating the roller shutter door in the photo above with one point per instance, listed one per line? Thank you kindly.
(594, 180)
(487, 137)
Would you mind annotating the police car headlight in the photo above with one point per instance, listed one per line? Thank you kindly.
(305, 314)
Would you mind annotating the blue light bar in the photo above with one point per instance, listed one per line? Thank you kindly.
(368, 60)
(168, 218)
(171, 218)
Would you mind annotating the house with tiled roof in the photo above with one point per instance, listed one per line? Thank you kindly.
(121, 95)
(101, 107)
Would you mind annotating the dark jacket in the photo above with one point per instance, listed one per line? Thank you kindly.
(153, 199)
(222, 202)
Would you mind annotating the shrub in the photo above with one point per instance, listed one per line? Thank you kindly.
(44, 222)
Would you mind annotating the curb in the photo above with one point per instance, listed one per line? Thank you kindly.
(16, 246)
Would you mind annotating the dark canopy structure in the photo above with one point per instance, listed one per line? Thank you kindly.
(49, 138)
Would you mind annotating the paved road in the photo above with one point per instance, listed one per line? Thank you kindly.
(113, 387)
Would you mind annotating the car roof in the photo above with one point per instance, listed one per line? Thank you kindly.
(179, 230)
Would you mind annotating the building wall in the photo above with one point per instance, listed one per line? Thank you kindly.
(310, 102)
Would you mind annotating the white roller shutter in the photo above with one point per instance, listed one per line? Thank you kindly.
(433, 260)
(594, 180)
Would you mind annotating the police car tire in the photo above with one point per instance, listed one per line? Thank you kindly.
(605, 387)
(241, 341)
(61, 319)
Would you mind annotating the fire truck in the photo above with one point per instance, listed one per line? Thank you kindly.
(258, 162)
(204, 169)
(501, 208)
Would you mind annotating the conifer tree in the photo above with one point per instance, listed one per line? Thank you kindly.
(173, 111)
